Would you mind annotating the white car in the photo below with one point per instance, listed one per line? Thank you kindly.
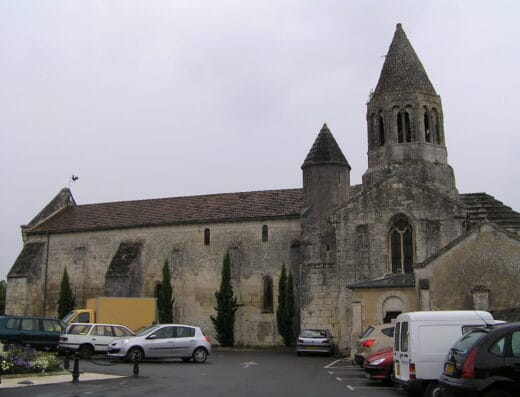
(164, 340)
(87, 338)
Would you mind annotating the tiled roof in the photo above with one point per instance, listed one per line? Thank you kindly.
(483, 207)
(325, 150)
(176, 210)
(402, 70)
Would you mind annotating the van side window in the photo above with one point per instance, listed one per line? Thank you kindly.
(404, 337)
(396, 336)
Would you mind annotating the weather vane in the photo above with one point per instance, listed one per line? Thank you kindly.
(73, 178)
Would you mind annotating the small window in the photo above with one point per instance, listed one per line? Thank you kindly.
(381, 130)
(184, 332)
(206, 236)
(268, 294)
(265, 234)
(397, 336)
(13, 323)
(404, 337)
(30, 324)
(388, 331)
(121, 331)
(52, 326)
(497, 348)
(515, 344)
(164, 333)
(83, 318)
(78, 329)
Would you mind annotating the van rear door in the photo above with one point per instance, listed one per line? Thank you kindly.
(401, 350)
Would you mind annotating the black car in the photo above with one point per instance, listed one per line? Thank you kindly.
(38, 332)
(484, 362)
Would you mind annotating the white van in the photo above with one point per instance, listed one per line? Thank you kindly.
(422, 340)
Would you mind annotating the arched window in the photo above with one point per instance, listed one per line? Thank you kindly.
(401, 246)
(407, 127)
(404, 127)
(381, 129)
(206, 236)
(427, 126)
(437, 127)
(372, 134)
(267, 305)
(265, 234)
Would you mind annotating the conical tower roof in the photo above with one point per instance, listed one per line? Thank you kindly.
(325, 150)
(402, 70)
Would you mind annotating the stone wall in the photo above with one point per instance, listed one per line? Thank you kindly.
(196, 270)
(487, 258)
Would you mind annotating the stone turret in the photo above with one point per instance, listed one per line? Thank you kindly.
(326, 175)
(326, 181)
(405, 123)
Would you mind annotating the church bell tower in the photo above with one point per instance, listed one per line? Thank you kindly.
(405, 123)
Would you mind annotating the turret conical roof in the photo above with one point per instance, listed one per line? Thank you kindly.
(402, 70)
(325, 150)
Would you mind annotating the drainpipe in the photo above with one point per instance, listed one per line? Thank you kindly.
(45, 276)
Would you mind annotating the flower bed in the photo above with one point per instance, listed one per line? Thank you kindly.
(22, 360)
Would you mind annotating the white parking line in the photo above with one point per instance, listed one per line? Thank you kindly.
(350, 388)
(331, 364)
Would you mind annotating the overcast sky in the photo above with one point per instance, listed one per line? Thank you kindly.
(151, 99)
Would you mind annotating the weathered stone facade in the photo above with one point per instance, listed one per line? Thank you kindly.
(403, 240)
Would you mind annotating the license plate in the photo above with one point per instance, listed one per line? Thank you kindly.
(312, 348)
(449, 369)
(397, 369)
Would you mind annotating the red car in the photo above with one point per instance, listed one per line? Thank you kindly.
(380, 365)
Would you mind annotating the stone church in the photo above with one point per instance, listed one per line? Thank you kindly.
(405, 239)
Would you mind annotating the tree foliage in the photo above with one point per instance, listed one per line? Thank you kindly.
(3, 290)
(165, 296)
(226, 307)
(286, 307)
(66, 300)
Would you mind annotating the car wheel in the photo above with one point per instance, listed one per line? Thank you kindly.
(135, 354)
(86, 351)
(186, 359)
(199, 355)
(433, 389)
(498, 393)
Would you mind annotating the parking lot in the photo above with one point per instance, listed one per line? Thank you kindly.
(226, 373)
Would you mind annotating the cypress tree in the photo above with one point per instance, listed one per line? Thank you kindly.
(282, 300)
(3, 290)
(286, 308)
(165, 298)
(66, 300)
(289, 312)
(226, 307)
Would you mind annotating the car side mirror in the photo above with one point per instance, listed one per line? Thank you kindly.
(152, 337)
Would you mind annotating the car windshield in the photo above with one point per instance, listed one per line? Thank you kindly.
(464, 344)
(147, 330)
(314, 333)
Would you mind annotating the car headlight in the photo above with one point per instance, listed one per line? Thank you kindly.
(376, 362)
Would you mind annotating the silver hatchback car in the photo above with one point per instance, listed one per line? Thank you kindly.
(161, 341)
